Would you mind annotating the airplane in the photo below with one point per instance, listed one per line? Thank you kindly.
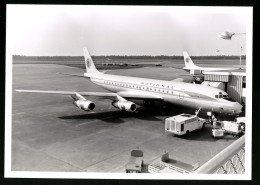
(189, 65)
(124, 90)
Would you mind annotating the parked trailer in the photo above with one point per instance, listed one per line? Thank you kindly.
(184, 124)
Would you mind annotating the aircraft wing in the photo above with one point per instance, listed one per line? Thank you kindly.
(177, 67)
(178, 80)
(104, 95)
(67, 74)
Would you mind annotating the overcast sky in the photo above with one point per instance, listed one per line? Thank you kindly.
(40, 30)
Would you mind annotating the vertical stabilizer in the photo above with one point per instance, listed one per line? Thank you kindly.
(90, 66)
(188, 62)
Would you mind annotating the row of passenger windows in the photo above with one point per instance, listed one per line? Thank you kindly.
(140, 87)
(133, 85)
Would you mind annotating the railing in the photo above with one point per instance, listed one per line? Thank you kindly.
(158, 166)
(231, 160)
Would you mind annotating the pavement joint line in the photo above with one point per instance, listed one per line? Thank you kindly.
(94, 121)
(18, 113)
(131, 128)
(86, 136)
(181, 145)
(87, 123)
(42, 151)
(129, 148)
(73, 165)
(26, 146)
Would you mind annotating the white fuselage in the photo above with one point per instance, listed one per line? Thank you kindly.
(178, 93)
(208, 68)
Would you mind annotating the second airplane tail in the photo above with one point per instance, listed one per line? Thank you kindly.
(188, 62)
(90, 66)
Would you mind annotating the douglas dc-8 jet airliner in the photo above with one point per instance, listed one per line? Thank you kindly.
(124, 89)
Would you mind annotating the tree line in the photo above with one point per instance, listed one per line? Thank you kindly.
(117, 57)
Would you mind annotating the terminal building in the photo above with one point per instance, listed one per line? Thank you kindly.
(232, 82)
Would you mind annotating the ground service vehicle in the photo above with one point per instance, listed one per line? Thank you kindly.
(233, 128)
(184, 124)
(229, 127)
(135, 162)
(218, 133)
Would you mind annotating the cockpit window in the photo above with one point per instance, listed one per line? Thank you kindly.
(224, 96)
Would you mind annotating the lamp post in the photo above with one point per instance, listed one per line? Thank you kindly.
(241, 56)
(228, 35)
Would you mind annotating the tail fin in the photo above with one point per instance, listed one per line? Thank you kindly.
(188, 62)
(90, 66)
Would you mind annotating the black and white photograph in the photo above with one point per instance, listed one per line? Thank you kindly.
(128, 92)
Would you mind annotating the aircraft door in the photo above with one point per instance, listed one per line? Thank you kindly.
(182, 127)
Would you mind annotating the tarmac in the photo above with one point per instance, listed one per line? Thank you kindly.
(50, 134)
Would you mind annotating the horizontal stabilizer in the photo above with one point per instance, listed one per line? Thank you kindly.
(178, 80)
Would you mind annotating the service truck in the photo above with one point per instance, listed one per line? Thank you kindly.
(233, 128)
(184, 124)
(229, 127)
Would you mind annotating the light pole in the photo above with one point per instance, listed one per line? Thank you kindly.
(228, 35)
(241, 56)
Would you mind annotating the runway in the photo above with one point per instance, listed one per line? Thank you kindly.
(50, 134)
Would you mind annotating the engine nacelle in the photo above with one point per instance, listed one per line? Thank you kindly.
(125, 105)
(85, 105)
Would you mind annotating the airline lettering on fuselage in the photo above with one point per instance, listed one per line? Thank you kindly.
(157, 85)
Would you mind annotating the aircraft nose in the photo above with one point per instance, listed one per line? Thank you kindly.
(237, 108)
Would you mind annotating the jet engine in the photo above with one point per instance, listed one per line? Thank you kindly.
(85, 105)
(125, 105)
